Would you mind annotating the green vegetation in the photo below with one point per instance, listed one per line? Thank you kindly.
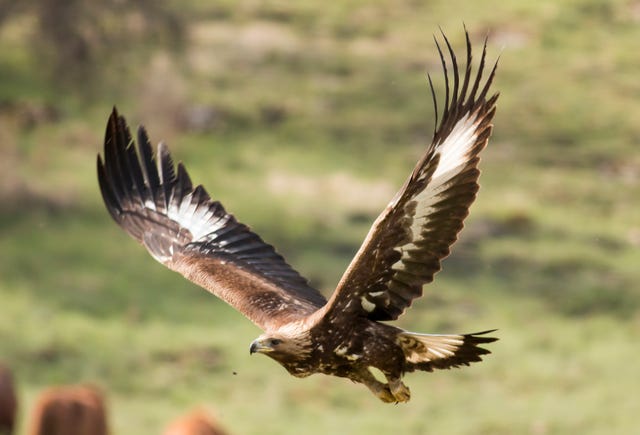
(297, 98)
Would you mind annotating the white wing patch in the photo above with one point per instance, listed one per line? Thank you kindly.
(150, 205)
(428, 347)
(455, 148)
(342, 351)
(366, 305)
(199, 220)
(454, 154)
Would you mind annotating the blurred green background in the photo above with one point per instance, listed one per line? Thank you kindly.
(303, 118)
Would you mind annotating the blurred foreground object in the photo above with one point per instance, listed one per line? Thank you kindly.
(8, 402)
(69, 410)
(197, 422)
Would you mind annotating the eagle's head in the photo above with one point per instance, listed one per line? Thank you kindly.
(282, 346)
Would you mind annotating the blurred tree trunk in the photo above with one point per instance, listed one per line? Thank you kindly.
(79, 42)
(62, 28)
(7, 8)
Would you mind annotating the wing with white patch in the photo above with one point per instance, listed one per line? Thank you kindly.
(187, 231)
(432, 351)
(414, 233)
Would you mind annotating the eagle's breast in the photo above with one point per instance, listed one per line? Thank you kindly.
(338, 348)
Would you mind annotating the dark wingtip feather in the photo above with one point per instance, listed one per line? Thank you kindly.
(183, 179)
(113, 164)
(111, 127)
(476, 83)
(147, 160)
(446, 78)
(166, 170)
(454, 67)
(461, 99)
(489, 81)
(111, 202)
(478, 337)
(435, 103)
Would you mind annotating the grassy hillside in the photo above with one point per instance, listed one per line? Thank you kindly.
(303, 118)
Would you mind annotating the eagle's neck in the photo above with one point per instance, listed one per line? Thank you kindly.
(296, 348)
(298, 338)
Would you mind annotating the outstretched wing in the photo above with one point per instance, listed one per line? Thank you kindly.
(187, 231)
(404, 247)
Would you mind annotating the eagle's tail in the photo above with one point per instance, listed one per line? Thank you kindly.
(433, 351)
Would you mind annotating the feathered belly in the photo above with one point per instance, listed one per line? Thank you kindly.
(372, 346)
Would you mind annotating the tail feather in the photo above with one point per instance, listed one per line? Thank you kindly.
(427, 352)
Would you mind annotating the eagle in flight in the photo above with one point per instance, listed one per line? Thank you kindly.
(185, 229)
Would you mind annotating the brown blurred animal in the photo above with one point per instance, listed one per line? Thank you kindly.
(8, 402)
(69, 410)
(197, 422)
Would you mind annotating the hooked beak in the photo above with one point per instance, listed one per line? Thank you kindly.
(258, 347)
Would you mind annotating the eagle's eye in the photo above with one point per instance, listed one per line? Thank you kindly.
(275, 342)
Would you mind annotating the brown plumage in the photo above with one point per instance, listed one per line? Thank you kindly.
(8, 402)
(190, 233)
(69, 410)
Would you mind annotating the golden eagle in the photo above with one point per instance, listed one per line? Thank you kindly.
(186, 230)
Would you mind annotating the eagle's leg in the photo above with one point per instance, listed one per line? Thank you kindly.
(400, 391)
(380, 390)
